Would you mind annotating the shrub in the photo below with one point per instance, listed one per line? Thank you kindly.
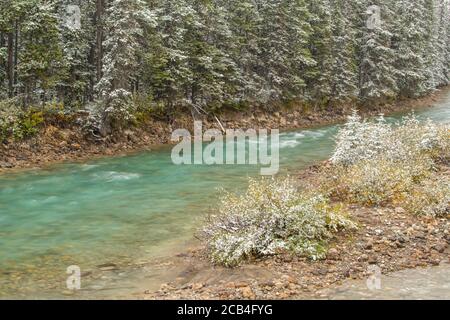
(375, 162)
(120, 109)
(29, 124)
(418, 138)
(361, 140)
(17, 123)
(271, 216)
(112, 114)
(9, 118)
(59, 114)
(430, 198)
(378, 181)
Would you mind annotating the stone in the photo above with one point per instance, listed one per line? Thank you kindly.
(247, 293)
(284, 295)
(68, 292)
(241, 284)
(164, 287)
(230, 285)
(333, 254)
(368, 245)
(363, 258)
(76, 146)
(267, 284)
(435, 262)
(440, 247)
(400, 210)
(373, 260)
(197, 286)
(420, 235)
(289, 279)
(320, 272)
(6, 165)
(107, 267)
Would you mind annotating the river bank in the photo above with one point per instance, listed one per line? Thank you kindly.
(388, 238)
(54, 144)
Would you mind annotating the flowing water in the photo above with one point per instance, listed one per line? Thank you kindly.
(122, 210)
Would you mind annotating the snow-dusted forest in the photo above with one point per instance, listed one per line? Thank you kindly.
(220, 53)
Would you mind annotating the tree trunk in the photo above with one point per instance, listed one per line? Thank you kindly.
(92, 75)
(10, 64)
(16, 52)
(99, 37)
(2, 65)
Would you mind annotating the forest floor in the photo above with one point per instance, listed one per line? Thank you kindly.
(57, 144)
(388, 237)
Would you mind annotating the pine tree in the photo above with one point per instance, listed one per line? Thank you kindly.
(377, 70)
(320, 45)
(211, 54)
(207, 45)
(167, 73)
(285, 48)
(434, 55)
(410, 41)
(344, 73)
(124, 30)
(74, 87)
(40, 60)
(245, 23)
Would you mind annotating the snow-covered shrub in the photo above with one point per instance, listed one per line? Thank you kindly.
(377, 181)
(376, 162)
(431, 198)
(120, 109)
(113, 113)
(417, 137)
(93, 125)
(270, 217)
(361, 140)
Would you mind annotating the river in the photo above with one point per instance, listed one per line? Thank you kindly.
(122, 211)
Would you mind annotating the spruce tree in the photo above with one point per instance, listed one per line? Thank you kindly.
(166, 71)
(377, 69)
(409, 42)
(284, 47)
(344, 69)
(245, 22)
(319, 74)
(124, 31)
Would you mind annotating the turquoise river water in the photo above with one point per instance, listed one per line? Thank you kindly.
(122, 209)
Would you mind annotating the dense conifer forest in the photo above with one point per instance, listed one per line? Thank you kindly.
(163, 55)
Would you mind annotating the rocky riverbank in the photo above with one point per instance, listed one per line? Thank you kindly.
(57, 144)
(388, 237)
